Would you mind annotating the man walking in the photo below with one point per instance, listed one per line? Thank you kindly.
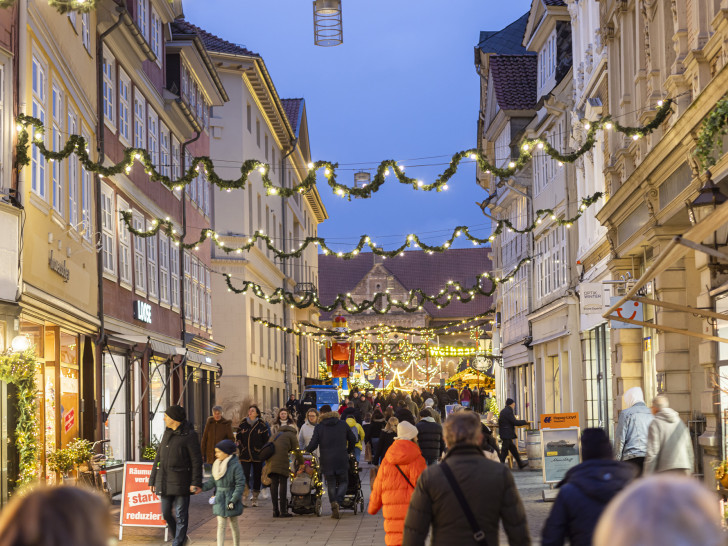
(216, 430)
(669, 448)
(177, 471)
(335, 440)
(507, 424)
(630, 438)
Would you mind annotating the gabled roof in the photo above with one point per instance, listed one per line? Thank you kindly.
(514, 81)
(212, 42)
(416, 269)
(507, 41)
(294, 110)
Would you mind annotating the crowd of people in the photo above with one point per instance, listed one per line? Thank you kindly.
(434, 475)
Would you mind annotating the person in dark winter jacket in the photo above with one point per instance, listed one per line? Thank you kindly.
(507, 424)
(489, 443)
(487, 486)
(335, 440)
(375, 430)
(253, 434)
(585, 492)
(216, 430)
(285, 441)
(177, 471)
(429, 434)
(228, 482)
(403, 413)
(386, 438)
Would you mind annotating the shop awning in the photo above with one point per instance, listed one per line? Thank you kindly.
(676, 249)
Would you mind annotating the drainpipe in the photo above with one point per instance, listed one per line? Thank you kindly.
(283, 263)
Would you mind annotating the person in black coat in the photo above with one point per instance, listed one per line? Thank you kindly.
(429, 437)
(585, 492)
(253, 433)
(386, 439)
(177, 471)
(507, 424)
(335, 441)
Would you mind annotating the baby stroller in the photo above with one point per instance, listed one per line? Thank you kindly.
(306, 487)
(354, 498)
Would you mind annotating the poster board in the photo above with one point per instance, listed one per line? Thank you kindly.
(139, 506)
(560, 452)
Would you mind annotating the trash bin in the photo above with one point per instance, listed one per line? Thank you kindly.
(533, 449)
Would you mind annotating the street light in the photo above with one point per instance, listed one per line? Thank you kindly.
(710, 198)
(327, 27)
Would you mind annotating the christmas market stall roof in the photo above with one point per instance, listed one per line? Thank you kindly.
(473, 378)
(414, 269)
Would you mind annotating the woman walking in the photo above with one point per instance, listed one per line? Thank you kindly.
(228, 482)
(279, 468)
(306, 432)
(395, 483)
(253, 433)
(386, 438)
(375, 430)
(282, 419)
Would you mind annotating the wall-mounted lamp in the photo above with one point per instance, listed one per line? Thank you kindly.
(20, 344)
(710, 198)
(580, 270)
(327, 27)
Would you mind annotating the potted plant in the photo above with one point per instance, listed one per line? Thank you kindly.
(61, 461)
(81, 451)
(149, 453)
(721, 473)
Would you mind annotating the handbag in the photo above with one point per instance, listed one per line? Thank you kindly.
(265, 475)
(268, 449)
(491, 455)
(373, 475)
(478, 534)
(368, 453)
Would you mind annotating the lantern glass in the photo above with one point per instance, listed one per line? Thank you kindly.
(327, 7)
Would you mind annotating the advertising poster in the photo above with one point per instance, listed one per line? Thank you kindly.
(560, 452)
(139, 506)
(448, 409)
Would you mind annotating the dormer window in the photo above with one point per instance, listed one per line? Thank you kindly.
(547, 60)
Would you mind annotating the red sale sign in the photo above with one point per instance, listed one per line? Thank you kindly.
(139, 506)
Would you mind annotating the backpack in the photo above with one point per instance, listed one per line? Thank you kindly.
(268, 449)
(355, 430)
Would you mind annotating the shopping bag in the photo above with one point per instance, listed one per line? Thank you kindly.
(368, 453)
(372, 475)
(265, 475)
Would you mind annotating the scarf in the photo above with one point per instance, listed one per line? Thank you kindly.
(251, 423)
(220, 467)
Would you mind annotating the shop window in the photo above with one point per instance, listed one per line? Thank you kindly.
(158, 398)
(115, 429)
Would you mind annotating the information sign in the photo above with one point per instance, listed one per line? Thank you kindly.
(560, 449)
(139, 506)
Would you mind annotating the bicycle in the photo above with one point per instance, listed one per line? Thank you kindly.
(96, 475)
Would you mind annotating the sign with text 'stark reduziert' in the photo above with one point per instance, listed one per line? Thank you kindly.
(139, 506)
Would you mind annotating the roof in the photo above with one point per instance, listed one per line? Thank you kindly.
(212, 42)
(416, 269)
(514, 81)
(507, 41)
(294, 111)
(554, 2)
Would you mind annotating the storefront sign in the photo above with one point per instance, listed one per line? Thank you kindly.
(560, 449)
(559, 420)
(590, 297)
(631, 310)
(143, 311)
(448, 351)
(59, 267)
(139, 506)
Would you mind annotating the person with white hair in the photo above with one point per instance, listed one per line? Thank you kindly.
(630, 438)
(662, 510)
(669, 447)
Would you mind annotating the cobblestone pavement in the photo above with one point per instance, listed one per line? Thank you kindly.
(257, 525)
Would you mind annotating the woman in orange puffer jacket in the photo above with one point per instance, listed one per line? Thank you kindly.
(396, 480)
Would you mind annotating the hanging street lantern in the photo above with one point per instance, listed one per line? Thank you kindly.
(710, 198)
(327, 28)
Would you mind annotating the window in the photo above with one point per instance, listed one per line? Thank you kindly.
(158, 398)
(113, 382)
(153, 137)
(185, 84)
(265, 150)
(155, 32)
(249, 118)
(175, 158)
(200, 105)
(124, 105)
(273, 159)
(152, 273)
(193, 96)
(108, 235)
(72, 177)
(109, 88)
(257, 132)
(163, 149)
(551, 262)
(163, 268)
(58, 144)
(140, 261)
(86, 31)
(206, 195)
(206, 116)
(195, 290)
(86, 197)
(209, 298)
(142, 21)
(139, 120)
(547, 60)
(201, 295)
(187, 286)
(124, 245)
(174, 275)
(38, 162)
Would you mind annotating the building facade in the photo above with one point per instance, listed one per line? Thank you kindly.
(261, 365)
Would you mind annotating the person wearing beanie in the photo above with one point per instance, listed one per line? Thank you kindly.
(228, 482)
(177, 471)
(434, 413)
(396, 480)
(507, 424)
(585, 492)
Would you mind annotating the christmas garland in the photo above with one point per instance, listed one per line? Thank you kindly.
(63, 6)
(166, 226)
(77, 145)
(710, 138)
(19, 369)
(413, 302)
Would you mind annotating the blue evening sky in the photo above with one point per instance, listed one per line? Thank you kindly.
(402, 86)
